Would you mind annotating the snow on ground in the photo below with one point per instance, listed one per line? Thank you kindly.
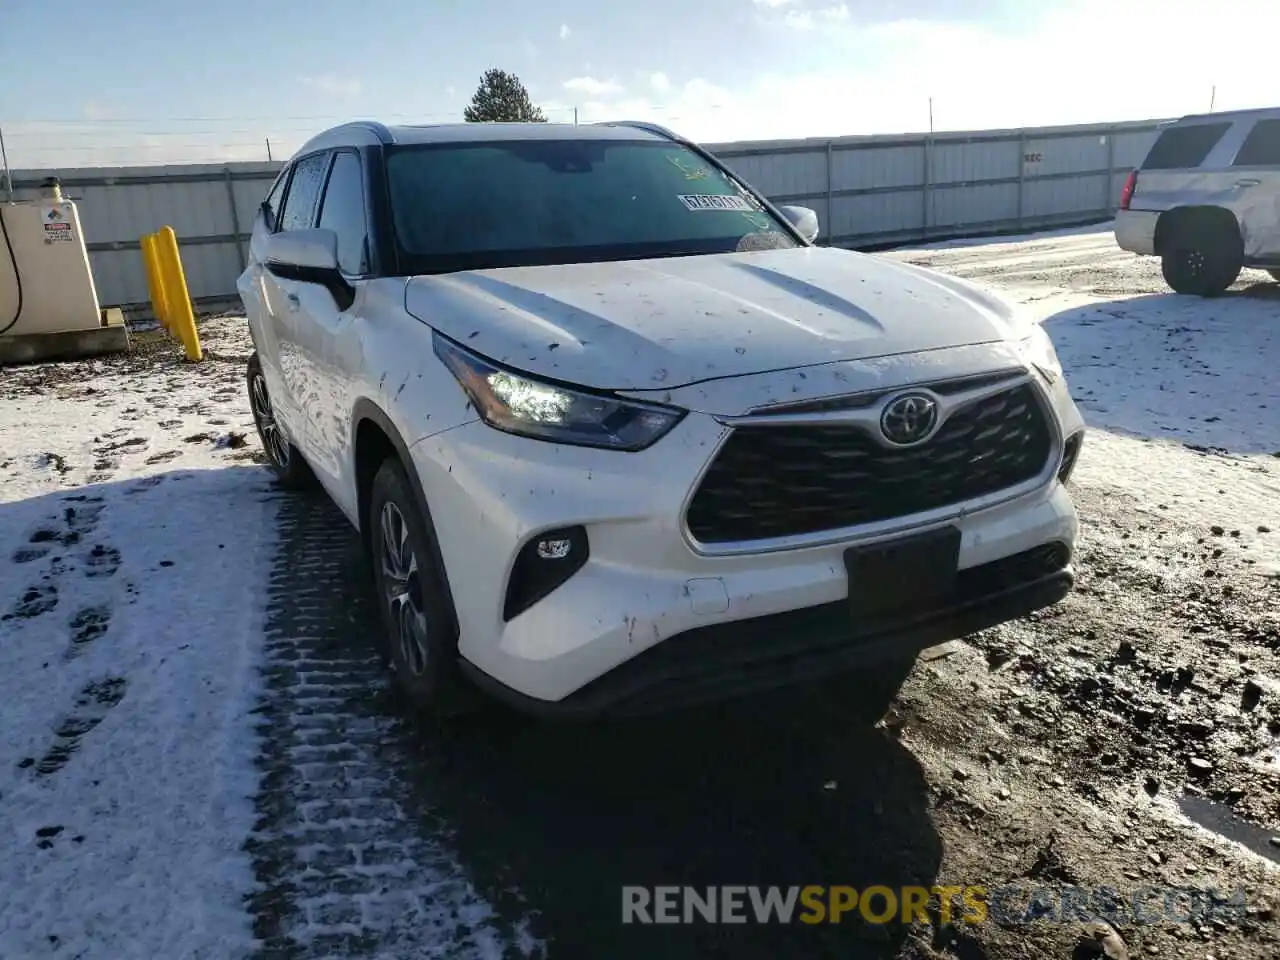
(1180, 393)
(136, 540)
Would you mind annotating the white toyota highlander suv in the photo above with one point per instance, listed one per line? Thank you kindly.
(618, 436)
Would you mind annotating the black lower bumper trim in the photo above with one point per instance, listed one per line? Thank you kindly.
(747, 656)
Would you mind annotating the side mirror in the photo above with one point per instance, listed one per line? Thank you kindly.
(803, 219)
(305, 251)
(309, 256)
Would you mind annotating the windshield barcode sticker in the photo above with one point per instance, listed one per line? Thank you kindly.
(704, 201)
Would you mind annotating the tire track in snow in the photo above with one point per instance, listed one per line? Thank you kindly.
(348, 864)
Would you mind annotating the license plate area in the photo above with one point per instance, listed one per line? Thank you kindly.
(902, 579)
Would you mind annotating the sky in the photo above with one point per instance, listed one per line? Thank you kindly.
(157, 81)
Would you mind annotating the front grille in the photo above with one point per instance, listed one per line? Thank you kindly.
(783, 481)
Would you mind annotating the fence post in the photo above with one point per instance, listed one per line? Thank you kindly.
(235, 217)
(830, 220)
(1022, 176)
(926, 209)
(1108, 202)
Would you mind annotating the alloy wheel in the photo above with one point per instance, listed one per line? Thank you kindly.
(272, 437)
(402, 590)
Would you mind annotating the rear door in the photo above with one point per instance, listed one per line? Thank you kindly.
(1256, 170)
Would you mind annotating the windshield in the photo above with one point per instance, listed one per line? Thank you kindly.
(478, 205)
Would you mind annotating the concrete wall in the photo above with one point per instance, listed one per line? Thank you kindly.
(867, 191)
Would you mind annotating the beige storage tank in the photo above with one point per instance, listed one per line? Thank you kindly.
(48, 303)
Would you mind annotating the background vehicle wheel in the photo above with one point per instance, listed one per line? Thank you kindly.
(285, 460)
(411, 602)
(1203, 265)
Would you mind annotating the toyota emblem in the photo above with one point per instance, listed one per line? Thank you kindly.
(909, 419)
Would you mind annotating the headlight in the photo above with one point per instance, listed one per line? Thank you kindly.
(1038, 350)
(517, 403)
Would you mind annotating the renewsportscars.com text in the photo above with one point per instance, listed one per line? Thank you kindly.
(1010, 904)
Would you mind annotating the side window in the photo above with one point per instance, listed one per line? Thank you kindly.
(271, 206)
(304, 191)
(1181, 148)
(342, 211)
(1262, 147)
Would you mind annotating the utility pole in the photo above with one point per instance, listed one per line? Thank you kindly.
(8, 177)
(931, 114)
(575, 116)
(1213, 96)
(269, 150)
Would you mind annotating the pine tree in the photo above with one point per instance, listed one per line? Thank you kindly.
(502, 97)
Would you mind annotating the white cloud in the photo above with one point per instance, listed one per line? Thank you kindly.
(94, 110)
(593, 87)
(565, 31)
(660, 83)
(334, 86)
(802, 14)
(799, 19)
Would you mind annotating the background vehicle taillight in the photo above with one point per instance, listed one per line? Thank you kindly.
(1130, 184)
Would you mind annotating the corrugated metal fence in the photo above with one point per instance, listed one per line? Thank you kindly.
(867, 191)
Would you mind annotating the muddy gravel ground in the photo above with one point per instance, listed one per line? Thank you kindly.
(1125, 740)
(1077, 748)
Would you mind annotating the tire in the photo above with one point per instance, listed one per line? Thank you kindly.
(285, 461)
(410, 596)
(1204, 265)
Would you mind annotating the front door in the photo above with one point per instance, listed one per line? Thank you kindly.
(328, 344)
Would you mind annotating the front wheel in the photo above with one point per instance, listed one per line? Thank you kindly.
(283, 457)
(411, 598)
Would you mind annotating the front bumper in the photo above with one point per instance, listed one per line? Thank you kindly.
(648, 596)
(731, 659)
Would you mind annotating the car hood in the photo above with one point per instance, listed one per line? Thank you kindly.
(646, 324)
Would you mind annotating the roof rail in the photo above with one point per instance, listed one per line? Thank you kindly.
(1226, 114)
(379, 130)
(653, 128)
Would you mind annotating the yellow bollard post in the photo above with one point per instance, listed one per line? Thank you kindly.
(182, 317)
(155, 278)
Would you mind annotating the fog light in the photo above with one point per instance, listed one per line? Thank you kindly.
(542, 565)
(1070, 454)
(554, 549)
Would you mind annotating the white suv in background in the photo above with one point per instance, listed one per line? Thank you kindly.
(618, 436)
(1207, 200)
